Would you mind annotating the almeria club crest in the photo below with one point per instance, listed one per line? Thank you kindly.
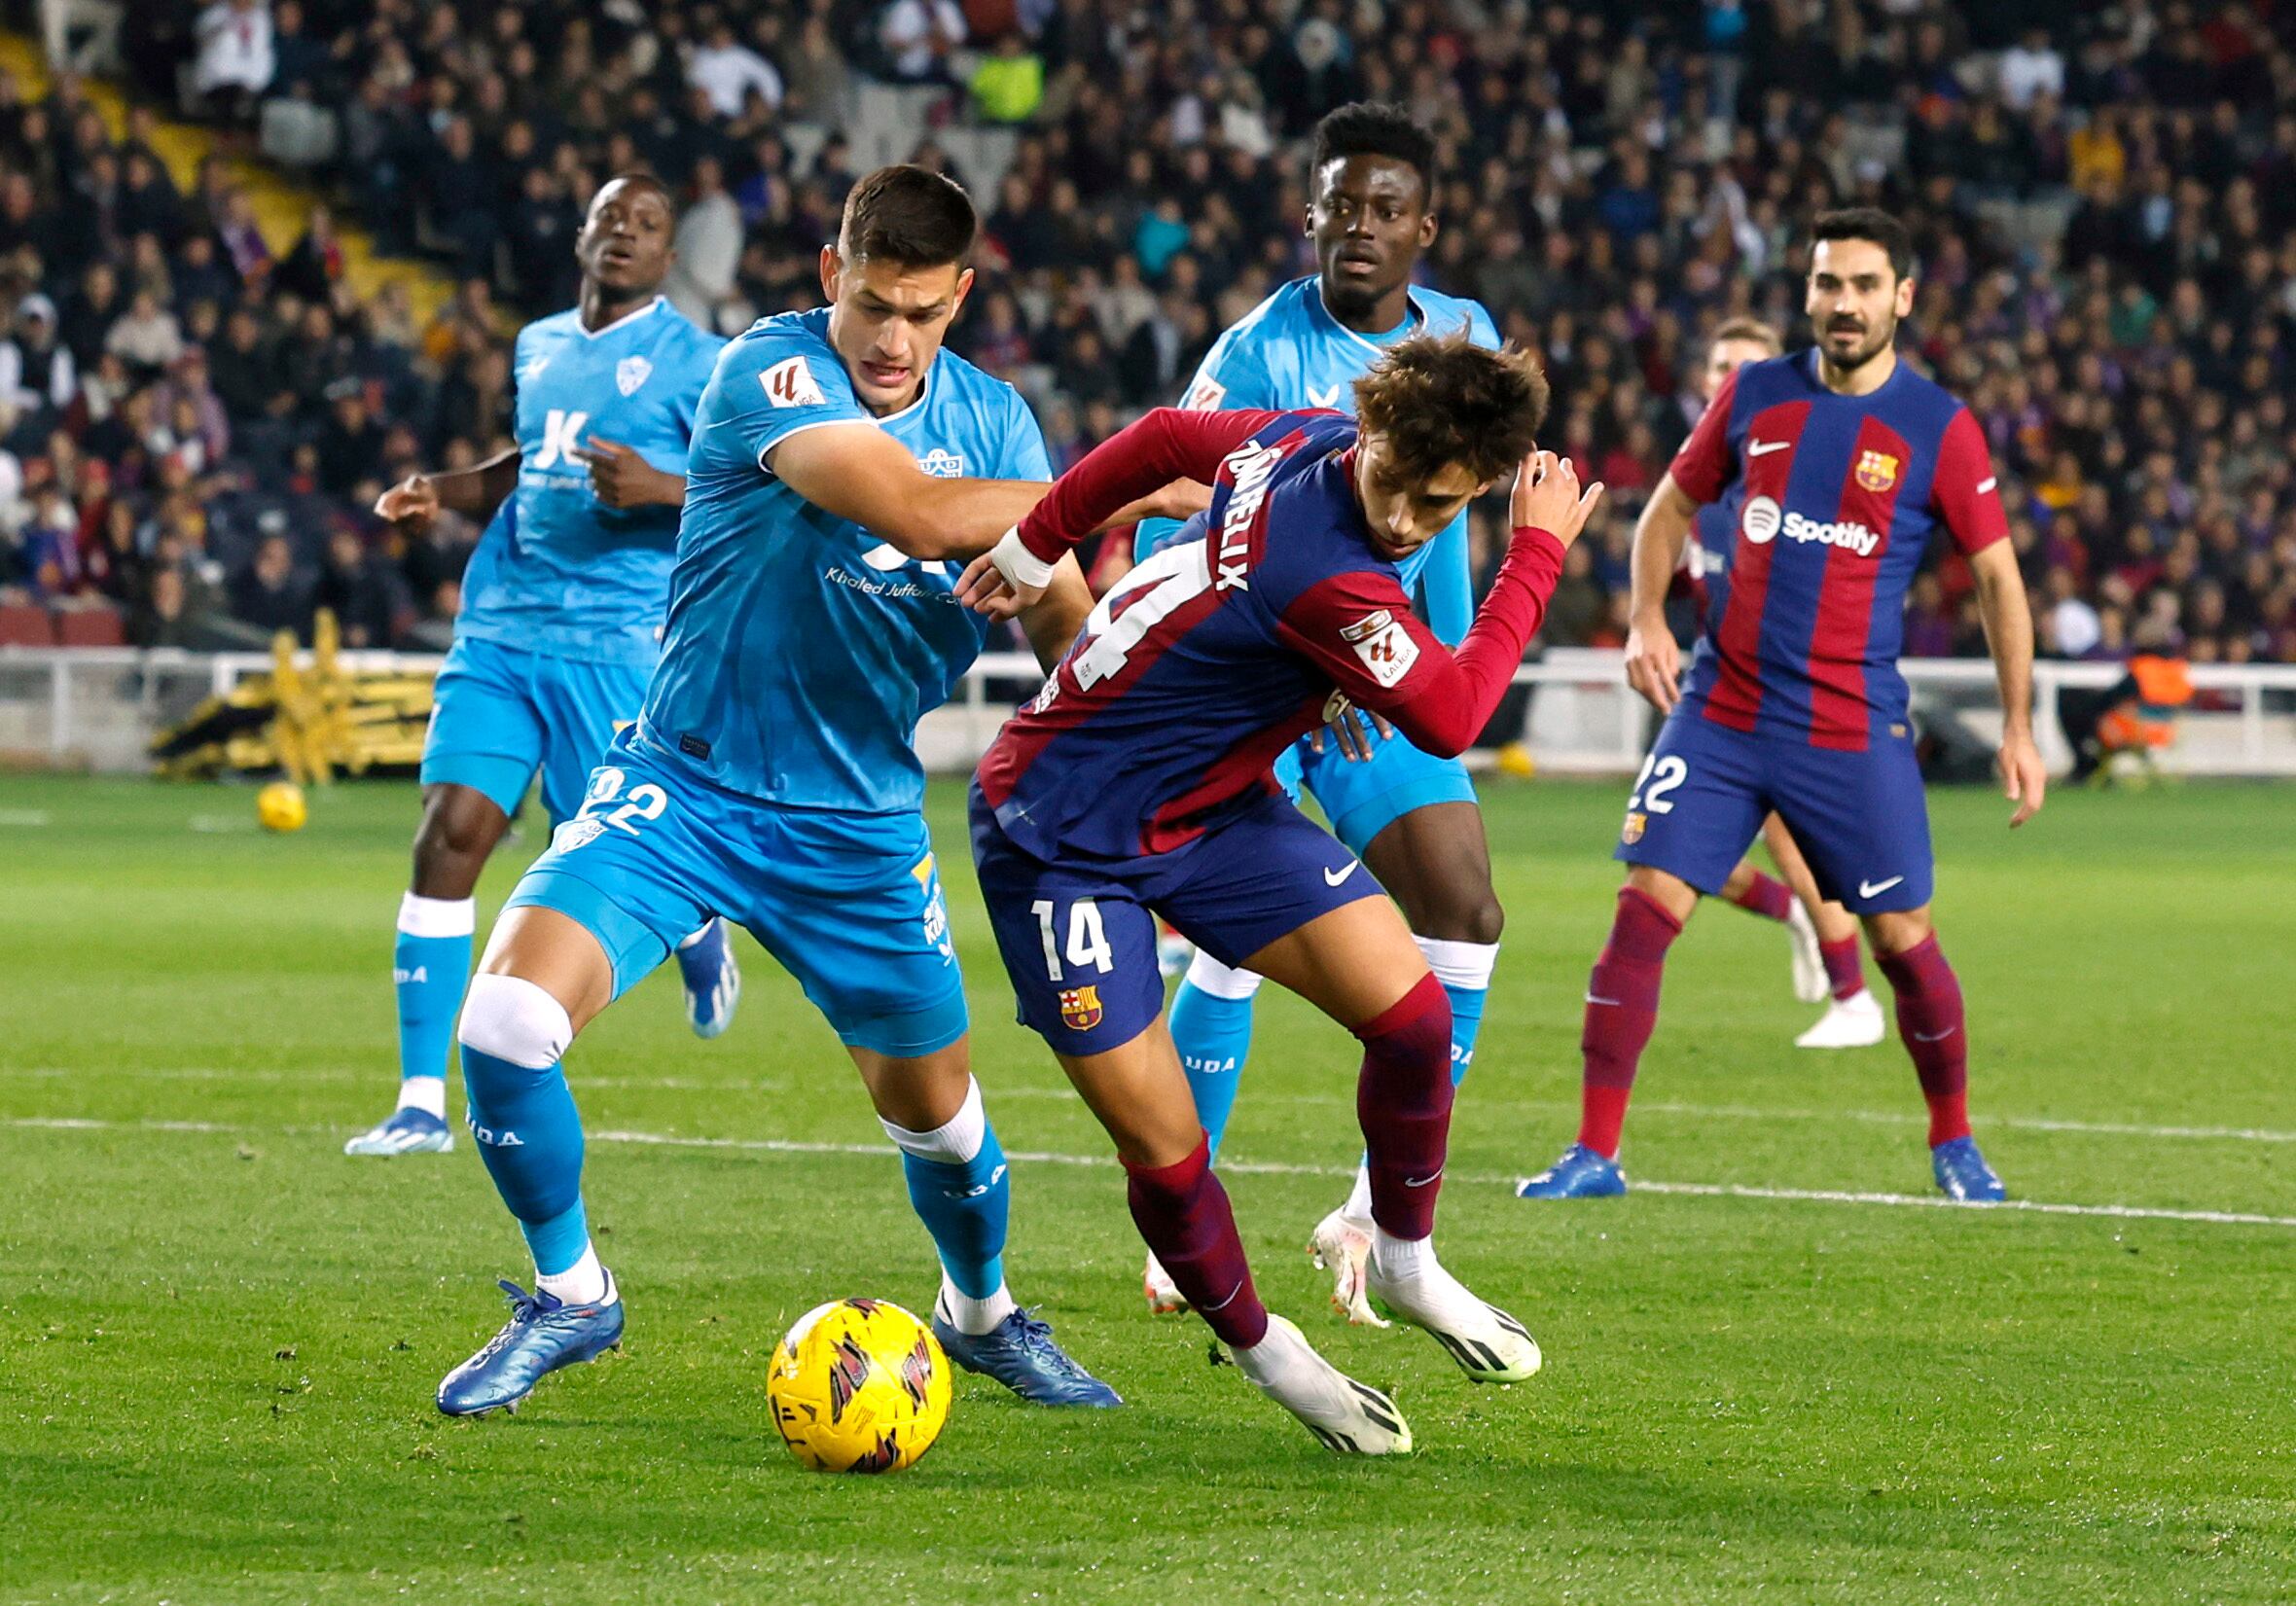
(631, 372)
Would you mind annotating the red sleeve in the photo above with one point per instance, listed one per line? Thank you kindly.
(1165, 444)
(1359, 628)
(1965, 491)
(1704, 465)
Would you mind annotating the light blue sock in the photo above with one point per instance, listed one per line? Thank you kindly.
(430, 966)
(530, 1138)
(964, 1206)
(1464, 969)
(1215, 1036)
(1466, 1019)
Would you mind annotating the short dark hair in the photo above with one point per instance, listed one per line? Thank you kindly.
(637, 178)
(1442, 398)
(1376, 128)
(908, 215)
(1869, 223)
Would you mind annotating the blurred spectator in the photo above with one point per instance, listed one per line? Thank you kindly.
(270, 594)
(730, 72)
(236, 61)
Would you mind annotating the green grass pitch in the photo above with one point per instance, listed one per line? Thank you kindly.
(219, 1338)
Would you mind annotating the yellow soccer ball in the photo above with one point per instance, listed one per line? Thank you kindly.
(279, 806)
(858, 1385)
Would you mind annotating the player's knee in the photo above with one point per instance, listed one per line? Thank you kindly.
(1209, 977)
(512, 1022)
(451, 845)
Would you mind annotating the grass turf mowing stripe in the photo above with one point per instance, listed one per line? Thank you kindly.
(1242, 1167)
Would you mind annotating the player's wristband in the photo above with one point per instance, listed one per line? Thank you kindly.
(1022, 569)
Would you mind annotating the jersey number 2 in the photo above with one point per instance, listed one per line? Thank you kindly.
(1659, 777)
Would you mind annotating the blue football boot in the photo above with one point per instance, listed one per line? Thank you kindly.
(1962, 1173)
(543, 1333)
(1580, 1174)
(1019, 1353)
(407, 1132)
(713, 981)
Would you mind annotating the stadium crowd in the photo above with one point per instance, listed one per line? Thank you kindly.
(2104, 200)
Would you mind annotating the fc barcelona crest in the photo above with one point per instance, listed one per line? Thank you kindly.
(1080, 1008)
(1876, 471)
(631, 372)
(1636, 821)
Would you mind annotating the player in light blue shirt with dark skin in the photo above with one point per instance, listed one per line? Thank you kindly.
(1411, 816)
(841, 466)
(562, 607)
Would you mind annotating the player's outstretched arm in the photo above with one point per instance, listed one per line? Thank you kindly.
(477, 491)
(856, 471)
(1654, 662)
(2009, 634)
(620, 476)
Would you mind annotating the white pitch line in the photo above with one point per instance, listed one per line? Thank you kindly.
(1244, 1167)
(26, 818)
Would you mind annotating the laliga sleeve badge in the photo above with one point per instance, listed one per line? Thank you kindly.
(1080, 1008)
(1383, 644)
(789, 383)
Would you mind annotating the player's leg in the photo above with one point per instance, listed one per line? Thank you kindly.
(584, 706)
(478, 757)
(1853, 1018)
(1694, 810)
(853, 910)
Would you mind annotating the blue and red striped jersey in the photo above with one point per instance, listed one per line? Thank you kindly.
(1828, 504)
(1213, 655)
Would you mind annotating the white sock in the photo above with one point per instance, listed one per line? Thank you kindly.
(955, 1141)
(420, 916)
(1357, 1209)
(427, 1093)
(1861, 999)
(970, 1316)
(1207, 974)
(1466, 966)
(582, 1283)
(1400, 1260)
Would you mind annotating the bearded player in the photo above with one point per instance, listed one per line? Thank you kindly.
(1408, 813)
(1823, 935)
(561, 623)
(1836, 465)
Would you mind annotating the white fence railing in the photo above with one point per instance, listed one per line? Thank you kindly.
(99, 708)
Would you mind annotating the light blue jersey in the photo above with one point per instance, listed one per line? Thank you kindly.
(1290, 352)
(564, 577)
(801, 649)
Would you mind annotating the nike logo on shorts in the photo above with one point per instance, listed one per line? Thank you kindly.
(1762, 448)
(1333, 877)
(1874, 889)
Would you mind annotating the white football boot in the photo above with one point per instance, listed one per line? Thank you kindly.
(1165, 1299)
(1489, 1345)
(1853, 1023)
(1342, 1246)
(1810, 983)
(1348, 1418)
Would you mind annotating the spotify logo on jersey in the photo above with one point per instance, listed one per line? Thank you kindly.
(1761, 520)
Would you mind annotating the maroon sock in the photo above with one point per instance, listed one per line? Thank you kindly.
(1622, 1010)
(1403, 1103)
(1766, 896)
(1183, 1213)
(1844, 972)
(1930, 1022)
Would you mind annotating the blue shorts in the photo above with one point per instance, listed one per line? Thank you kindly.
(1861, 820)
(499, 714)
(1363, 798)
(1079, 936)
(849, 903)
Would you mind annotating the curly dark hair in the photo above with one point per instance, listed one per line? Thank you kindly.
(1376, 128)
(1442, 398)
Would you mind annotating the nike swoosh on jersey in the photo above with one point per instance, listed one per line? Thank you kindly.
(1986, 483)
(1874, 889)
(1762, 448)
(1332, 880)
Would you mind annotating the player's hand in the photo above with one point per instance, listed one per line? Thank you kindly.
(1654, 663)
(1346, 727)
(2025, 780)
(984, 589)
(1547, 497)
(621, 478)
(413, 502)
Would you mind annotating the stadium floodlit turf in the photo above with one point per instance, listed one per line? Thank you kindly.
(219, 1338)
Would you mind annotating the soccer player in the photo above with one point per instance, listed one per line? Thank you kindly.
(1823, 934)
(561, 623)
(840, 459)
(1835, 465)
(1139, 783)
(1411, 814)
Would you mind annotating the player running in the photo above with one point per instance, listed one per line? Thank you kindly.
(1411, 814)
(1823, 935)
(560, 622)
(1835, 466)
(1138, 783)
(813, 619)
